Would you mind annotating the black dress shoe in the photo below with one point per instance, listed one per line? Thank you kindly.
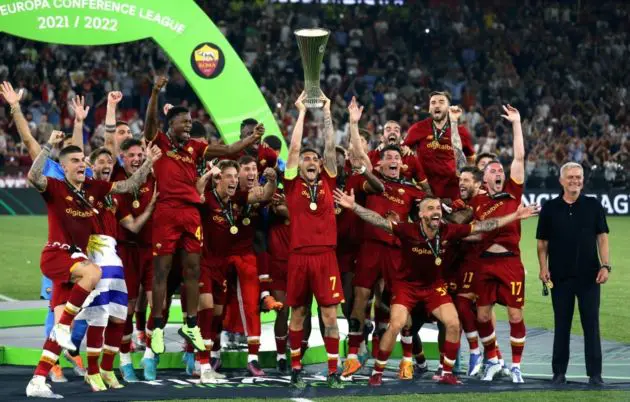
(559, 379)
(596, 380)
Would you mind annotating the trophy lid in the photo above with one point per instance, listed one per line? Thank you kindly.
(312, 32)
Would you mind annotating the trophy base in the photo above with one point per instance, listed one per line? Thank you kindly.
(313, 103)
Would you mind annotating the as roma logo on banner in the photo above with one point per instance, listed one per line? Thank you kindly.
(207, 60)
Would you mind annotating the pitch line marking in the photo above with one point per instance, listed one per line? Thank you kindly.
(301, 400)
(7, 298)
(576, 376)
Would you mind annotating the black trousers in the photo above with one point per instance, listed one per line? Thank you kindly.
(563, 297)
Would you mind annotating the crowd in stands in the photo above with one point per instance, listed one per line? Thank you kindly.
(562, 66)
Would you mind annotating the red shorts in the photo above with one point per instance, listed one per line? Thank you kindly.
(376, 260)
(409, 295)
(213, 277)
(138, 264)
(314, 274)
(500, 280)
(347, 258)
(278, 274)
(175, 228)
(466, 275)
(57, 265)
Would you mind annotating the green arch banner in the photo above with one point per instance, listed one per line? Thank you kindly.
(180, 27)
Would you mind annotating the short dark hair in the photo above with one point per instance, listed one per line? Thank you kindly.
(130, 142)
(198, 130)
(492, 162)
(427, 198)
(485, 155)
(249, 122)
(273, 142)
(246, 160)
(309, 149)
(121, 123)
(228, 163)
(441, 93)
(365, 134)
(175, 111)
(391, 147)
(70, 149)
(476, 173)
(98, 152)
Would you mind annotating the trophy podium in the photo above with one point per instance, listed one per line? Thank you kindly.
(312, 45)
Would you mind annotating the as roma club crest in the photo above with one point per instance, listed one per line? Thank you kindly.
(207, 60)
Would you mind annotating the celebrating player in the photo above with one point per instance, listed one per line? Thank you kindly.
(177, 222)
(501, 275)
(312, 266)
(423, 245)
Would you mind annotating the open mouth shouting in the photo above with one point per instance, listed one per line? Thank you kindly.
(231, 189)
(392, 139)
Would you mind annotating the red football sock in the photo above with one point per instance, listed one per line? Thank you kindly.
(488, 338)
(295, 341)
(94, 345)
(113, 336)
(125, 344)
(376, 340)
(73, 305)
(354, 342)
(203, 356)
(50, 355)
(253, 345)
(141, 320)
(281, 345)
(467, 317)
(332, 349)
(450, 355)
(517, 340)
(205, 326)
(303, 347)
(381, 360)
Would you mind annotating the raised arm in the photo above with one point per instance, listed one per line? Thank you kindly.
(296, 138)
(267, 191)
(372, 184)
(217, 150)
(36, 173)
(517, 170)
(13, 99)
(151, 121)
(454, 112)
(371, 217)
(80, 113)
(136, 224)
(134, 182)
(330, 154)
(488, 225)
(110, 121)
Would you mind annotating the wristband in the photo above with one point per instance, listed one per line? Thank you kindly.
(606, 267)
(47, 147)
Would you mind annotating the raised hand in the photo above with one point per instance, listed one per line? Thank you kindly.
(326, 101)
(114, 97)
(299, 103)
(153, 152)
(524, 212)
(166, 108)
(511, 114)
(278, 199)
(454, 113)
(406, 151)
(259, 131)
(56, 137)
(355, 111)
(12, 98)
(160, 82)
(343, 199)
(77, 104)
(270, 175)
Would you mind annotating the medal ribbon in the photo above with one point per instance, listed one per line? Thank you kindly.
(312, 190)
(438, 133)
(436, 250)
(227, 212)
(80, 195)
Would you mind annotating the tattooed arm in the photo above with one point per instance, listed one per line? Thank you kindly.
(134, 182)
(461, 217)
(347, 201)
(489, 225)
(456, 140)
(36, 173)
(330, 154)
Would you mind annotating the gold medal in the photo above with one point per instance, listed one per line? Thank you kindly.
(550, 284)
(135, 204)
(313, 206)
(246, 221)
(438, 261)
(233, 230)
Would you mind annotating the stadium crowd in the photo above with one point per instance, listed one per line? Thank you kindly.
(561, 67)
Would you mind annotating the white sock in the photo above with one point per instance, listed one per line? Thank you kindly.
(125, 358)
(251, 358)
(215, 354)
(148, 353)
(475, 351)
(518, 365)
(281, 357)
(205, 366)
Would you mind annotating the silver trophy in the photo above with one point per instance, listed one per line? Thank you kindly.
(312, 44)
